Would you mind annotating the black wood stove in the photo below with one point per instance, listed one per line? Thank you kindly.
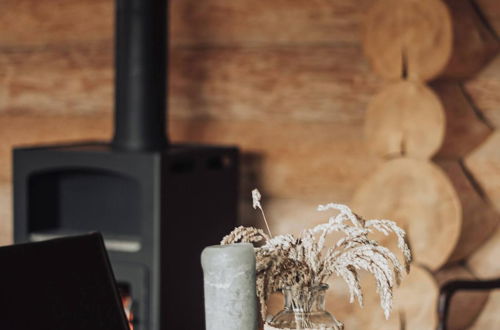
(156, 204)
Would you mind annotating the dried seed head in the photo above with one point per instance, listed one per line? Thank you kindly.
(305, 261)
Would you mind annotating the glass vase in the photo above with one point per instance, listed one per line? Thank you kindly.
(304, 309)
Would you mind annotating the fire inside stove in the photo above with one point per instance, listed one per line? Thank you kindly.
(128, 303)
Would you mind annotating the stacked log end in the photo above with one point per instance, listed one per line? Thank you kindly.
(418, 195)
(489, 317)
(484, 262)
(465, 306)
(465, 130)
(416, 300)
(401, 35)
(415, 313)
(484, 265)
(405, 119)
(440, 159)
(479, 219)
(484, 165)
(474, 45)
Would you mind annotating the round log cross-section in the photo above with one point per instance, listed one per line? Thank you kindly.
(405, 119)
(408, 38)
(421, 199)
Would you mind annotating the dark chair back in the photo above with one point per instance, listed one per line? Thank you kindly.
(450, 288)
(59, 284)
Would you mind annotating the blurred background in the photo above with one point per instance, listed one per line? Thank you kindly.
(388, 106)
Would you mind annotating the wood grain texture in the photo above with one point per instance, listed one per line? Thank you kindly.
(259, 22)
(465, 306)
(368, 317)
(284, 215)
(311, 161)
(307, 84)
(405, 119)
(416, 300)
(483, 91)
(303, 84)
(421, 199)
(31, 130)
(294, 159)
(491, 11)
(484, 262)
(304, 164)
(415, 304)
(76, 81)
(489, 318)
(474, 45)
(38, 24)
(5, 213)
(275, 304)
(465, 130)
(484, 166)
(479, 219)
(410, 38)
(33, 23)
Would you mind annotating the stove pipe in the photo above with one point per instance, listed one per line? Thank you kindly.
(141, 75)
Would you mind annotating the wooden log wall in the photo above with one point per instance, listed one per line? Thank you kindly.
(445, 211)
(285, 80)
(290, 82)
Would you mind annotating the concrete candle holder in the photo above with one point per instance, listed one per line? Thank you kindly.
(229, 279)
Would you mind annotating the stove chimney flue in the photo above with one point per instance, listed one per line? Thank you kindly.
(141, 75)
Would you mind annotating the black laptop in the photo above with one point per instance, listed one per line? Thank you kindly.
(61, 284)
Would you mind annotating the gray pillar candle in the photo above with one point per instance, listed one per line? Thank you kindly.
(229, 278)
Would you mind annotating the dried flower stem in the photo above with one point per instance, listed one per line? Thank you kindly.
(256, 196)
(303, 262)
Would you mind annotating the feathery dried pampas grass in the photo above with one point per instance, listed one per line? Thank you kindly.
(306, 261)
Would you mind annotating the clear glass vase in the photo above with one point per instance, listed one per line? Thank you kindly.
(304, 309)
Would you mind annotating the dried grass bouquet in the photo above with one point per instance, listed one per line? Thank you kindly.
(303, 262)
